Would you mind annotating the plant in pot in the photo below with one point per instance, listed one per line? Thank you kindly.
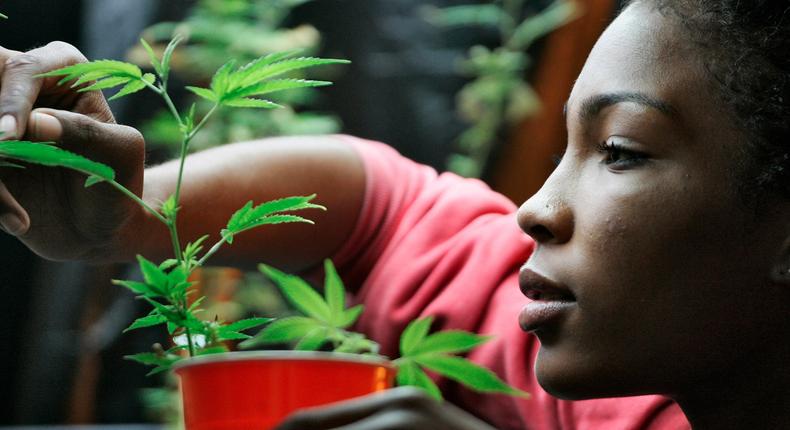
(251, 389)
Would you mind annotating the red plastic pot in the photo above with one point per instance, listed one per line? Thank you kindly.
(255, 390)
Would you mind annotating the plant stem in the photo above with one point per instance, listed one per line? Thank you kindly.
(169, 102)
(512, 10)
(139, 201)
(212, 251)
(171, 226)
(190, 343)
(202, 122)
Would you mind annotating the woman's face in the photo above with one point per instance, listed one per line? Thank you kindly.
(650, 275)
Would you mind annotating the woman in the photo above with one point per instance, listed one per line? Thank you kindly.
(660, 254)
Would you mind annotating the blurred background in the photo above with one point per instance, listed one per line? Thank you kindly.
(475, 87)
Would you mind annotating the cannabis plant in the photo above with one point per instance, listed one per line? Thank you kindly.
(245, 30)
(167, 286)
(498, 93)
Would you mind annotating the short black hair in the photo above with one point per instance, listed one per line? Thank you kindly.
(746, 48)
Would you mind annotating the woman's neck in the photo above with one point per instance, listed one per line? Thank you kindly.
(754, 396)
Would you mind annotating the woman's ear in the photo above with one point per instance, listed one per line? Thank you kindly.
(780, 271)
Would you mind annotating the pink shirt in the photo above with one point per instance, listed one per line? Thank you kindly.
(429, 244)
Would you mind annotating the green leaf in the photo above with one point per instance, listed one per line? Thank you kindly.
(278, 68)
(231, 335)
(159, 369)
(193, 248)
(467, 373)
(282, 330)
(247, 324)
(141, 288)
(414, 333)
(92, 180)
(87, 77)
(169, 208)
(196, 304)
(130, 88)
(334, 292)
(178, 275)
(152, 57)
(12, 165)
(189, 120)
(152, 273)
(248, 216)
(50, 155)
(355, 343)
(244, 74)
(410, 374)
(168, 264)
(350, 316)
(299, 293)
(167, 56)
(106, 83)
(556, 15)
(267, 87)
(212, 350)
(147, 321)
(204, 93)
(221, 80)
(251, 103)
(96, 70)
(488, 15)
(150, 359)
(313, 339)
(278, 219)
(448, 342)
(167, 311)
(3, 16)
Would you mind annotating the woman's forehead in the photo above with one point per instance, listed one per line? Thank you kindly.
(644, 52)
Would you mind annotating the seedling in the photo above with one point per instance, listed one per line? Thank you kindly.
(166, 286)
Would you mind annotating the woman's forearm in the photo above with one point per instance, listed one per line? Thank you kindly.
(221, 180)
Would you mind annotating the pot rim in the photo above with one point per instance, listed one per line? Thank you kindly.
(285, 355)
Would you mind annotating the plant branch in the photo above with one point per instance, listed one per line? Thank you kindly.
(202, 122)
(213, 250)
(139, 201)
(171, 226)
(169, 102)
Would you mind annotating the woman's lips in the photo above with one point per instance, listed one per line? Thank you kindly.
(549, 300)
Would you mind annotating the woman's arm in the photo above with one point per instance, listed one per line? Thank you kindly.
(221, 180)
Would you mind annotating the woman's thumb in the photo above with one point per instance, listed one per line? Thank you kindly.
(42, 127)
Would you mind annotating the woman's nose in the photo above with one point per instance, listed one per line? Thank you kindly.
(547, 217)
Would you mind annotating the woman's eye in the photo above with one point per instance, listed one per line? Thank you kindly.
(618, 157)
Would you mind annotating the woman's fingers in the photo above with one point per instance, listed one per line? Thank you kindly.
(20, 88)
(352, 411)
(405, 408)
(13, 218)
(119, 146)
(43, 127)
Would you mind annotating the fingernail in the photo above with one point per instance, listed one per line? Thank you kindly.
(43, 126)
(12, 224)
(8, 127)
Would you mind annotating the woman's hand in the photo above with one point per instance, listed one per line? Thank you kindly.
(48, 208)
(404, 408)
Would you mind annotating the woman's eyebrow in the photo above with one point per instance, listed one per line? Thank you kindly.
(592, 106)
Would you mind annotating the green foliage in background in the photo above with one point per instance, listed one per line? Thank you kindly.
(244, 30)
(498, 94)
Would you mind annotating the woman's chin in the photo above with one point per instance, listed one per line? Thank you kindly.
(566, 378)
